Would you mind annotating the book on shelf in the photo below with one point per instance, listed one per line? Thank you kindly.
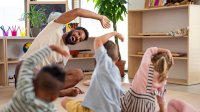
(155, 3)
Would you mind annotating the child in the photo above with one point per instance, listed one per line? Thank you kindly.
(37, 97)
(105, 89)
(149, 81)
(175, 105)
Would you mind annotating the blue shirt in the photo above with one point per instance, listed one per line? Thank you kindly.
(105, 89)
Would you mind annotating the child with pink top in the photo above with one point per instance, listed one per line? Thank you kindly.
(149, 82)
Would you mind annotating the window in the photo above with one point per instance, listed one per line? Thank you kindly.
(95, 29)
(9, 15)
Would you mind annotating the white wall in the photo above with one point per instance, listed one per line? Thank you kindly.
(136, 4)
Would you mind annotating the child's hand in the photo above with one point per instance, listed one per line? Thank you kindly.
(119, 36)
(59, 50)
(170, 55)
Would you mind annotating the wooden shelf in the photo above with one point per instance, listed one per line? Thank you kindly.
(178, 58)
(1, 62)
(20, 38)
(171, 37)
(135, 55)
(161, 8)
(47, 2)
(13, 62)
(82, 58)
(177, 81)
(11, 80)
(152, 21)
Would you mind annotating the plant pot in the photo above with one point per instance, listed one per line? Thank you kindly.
(35, 31)
(121, 65)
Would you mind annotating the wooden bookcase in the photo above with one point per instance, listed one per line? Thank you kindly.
(12, 48)
(186, 70)
(87, 64)
(3, 79)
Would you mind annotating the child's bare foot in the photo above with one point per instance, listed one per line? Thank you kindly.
(74, 91)
(86, 82)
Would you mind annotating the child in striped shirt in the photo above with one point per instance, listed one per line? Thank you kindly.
(37, 97)
(149, 82)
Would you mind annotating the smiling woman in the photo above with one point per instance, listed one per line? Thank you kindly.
(9, 16)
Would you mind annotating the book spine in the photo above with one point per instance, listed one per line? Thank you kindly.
(156, 3)
(160, 3)
(153, 3)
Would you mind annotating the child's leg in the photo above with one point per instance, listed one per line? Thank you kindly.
(73, 77)
(74, 106)
(179, 106)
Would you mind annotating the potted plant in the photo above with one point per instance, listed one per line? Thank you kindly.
(114, 10)
(37, 18)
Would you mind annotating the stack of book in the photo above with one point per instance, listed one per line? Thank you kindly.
(155, 3)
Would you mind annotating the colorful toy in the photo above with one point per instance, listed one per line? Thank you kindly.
(5, 33)
(26, 46)
(14, 30)
(22, 31)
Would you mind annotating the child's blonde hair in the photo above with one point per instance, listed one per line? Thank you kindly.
(162, 63)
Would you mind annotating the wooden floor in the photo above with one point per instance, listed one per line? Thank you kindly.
(190, 94)
(175, 87)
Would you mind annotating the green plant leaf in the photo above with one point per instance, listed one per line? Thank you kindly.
(113, 9)
(36, 17)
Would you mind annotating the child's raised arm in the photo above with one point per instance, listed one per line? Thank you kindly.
(168, 53)
(26, 71)
(59, 50)
(99, 41)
